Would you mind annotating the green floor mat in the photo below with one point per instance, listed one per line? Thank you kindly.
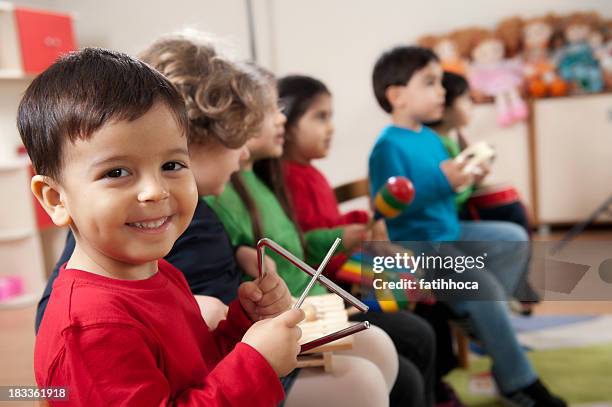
(579, 375)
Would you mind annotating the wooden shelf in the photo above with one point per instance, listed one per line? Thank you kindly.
(14, 235)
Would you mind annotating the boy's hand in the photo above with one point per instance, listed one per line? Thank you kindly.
(246, 257)
(484, 170)
(277, 339)
(455, 175)
(265, 298)
(354, 234)
(379, 231)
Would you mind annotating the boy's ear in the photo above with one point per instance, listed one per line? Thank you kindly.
(47, 191)
(392, 93)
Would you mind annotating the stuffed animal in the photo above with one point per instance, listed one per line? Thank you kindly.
(447, 50)
(492, 74)
(540, 71)
(576, 60)
(601, 42)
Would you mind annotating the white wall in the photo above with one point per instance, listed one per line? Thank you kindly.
(334, 40)
(338, 42)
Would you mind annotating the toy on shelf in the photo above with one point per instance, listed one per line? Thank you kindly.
(540, 71)
(447, 49)
(10, 287)
(601, 41)
(492, 74)
(576, 59)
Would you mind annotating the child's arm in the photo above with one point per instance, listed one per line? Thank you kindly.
(355, 216)
(318, 242)
(303, 198)
(118, 365)
(387, 161)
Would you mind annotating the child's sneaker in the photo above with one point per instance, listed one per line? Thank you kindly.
(534, 395)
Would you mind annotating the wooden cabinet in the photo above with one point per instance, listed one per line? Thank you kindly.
(573, 156)
(560, 160)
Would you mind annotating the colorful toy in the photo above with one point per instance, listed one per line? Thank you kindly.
(540, 71)
(10, 287)
(359, 270)
(576, 60)
(447, 49)
(393, 198)
(492, 74)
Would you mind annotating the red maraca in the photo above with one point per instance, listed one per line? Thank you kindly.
(393, 197)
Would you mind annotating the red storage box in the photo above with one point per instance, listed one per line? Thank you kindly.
(43, 36)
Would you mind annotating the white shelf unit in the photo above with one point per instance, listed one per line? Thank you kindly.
(20, 249)
(572, 151)
(560, 159)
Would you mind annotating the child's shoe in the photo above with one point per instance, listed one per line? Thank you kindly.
(534, 395)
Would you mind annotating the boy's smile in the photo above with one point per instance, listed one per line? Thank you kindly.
(128, 191)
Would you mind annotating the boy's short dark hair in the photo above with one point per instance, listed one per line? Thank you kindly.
(396, 67)
(82, 92)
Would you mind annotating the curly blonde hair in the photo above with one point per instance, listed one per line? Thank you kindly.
(225, 101)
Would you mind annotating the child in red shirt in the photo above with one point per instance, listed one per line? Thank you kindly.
(107, 135)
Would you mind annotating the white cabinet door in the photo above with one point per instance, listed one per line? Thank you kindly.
(573, 151)
(511, 144)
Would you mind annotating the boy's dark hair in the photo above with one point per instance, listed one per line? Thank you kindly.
(82, 92)
(297, 92)
(395, 68)
(455, 85)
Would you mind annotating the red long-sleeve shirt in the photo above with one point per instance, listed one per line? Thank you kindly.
(144, 343)
(315, 204)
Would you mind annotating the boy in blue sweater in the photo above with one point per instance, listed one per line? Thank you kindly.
(408, 85)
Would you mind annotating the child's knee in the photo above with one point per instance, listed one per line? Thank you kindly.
(377, 347)
(513, 232)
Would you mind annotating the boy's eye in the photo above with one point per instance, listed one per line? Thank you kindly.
(173, 166)
(117, 173)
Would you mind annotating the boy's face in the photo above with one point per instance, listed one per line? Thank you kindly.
(128, 190)
(422, 98)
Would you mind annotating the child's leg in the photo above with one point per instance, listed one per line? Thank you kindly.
(375, 345)
(415, 342)
(506, 245)
(352, 382)
(490, 323)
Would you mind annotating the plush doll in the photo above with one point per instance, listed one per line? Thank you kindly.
(447, 50)
(540, 71)
(601, 42)
(493, 75)
(576, 60)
